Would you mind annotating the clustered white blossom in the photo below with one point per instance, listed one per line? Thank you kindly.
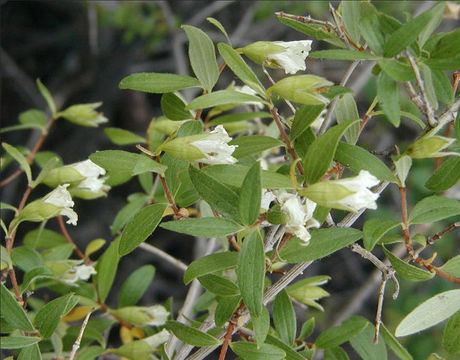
(92, 172)
(60, 197)
(215, 147)
(157, 315)
(77, 272)
(292, 59)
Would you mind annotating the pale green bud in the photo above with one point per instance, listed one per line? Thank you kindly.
(83, 114)
(277, 217)
(165, 126)
(155, 315)
(303, 89)
(63, 175)
(402, 167)
(430, 147)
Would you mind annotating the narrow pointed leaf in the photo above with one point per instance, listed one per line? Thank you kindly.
(347, 110)
(445, 176)
(251, 351)
(222, 97)
(190, 335)
(452, 267)
(218, 285)
(375, 229)
(394, 345)
(225, 308)
(364, 345)
(388, 94)
(106, 269)
(135, 286)
(321, 153)
(17, 155)
(338, 335)
(351, 15)
(407, 271)
(219, 25)
(47, 96)
(341, 54)
(429, 313)
(210, 264)
(158, 83)
(253, 144)
(303, 118)
(370, 30)
(284, 318)
(18, 342)
(123, 137)
(174, 108)
(12, 312)
(261, 326)
(451, 336)
(140, 228)
(250, 196)
(204, 227)
(434, 208)
(202, 56)
(250, 272)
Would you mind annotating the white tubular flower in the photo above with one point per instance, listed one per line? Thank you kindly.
(247, 90)
(292, 59)
(156, 340)
(300, 215)
(157, 315)
(215, 147)
(60, 197)
(77, 272)
(267, 198)
(92, 172)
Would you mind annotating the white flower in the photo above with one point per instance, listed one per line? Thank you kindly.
(267, 198)
(60, 197)
(362, 197)
(92, 172)
(157, 315)
(300, 215)
(78, 272)
(215, 147)
(316, 125)
(292, 59)
(156, 340)
(247, 90)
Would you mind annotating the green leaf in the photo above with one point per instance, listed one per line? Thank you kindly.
(303, 118)
(323, 242)
(335, 353)
(429, 313)
(218, 285)
(253, 144)
(338, 335)
(226, 306)
(219, 25)
(26, 258)
(397, 69)
(290, 353)
(34, 118)
(351, 13)
(140, 228)
(135, 286)
(307, 328)
(51, 164)
(445, 176)
(370, 30)
(437, 12)
(123, 137)
(30, 352)
(222, 97)
(205, 227)
(106, 269)
(158, 83)
(250, 196)
(12, 312)
(250, 272)
(202, 56)
(219, 196)
(236, 63)
(49, 316)
(342, 54)
(357, 159)
(251, 351)
(451, 336)
(442, 87)
(284, 318)
(18, 342)
(234, 175)
(191, 335)
(321, 152)
(395, 346)
(407, 271)
(443, 63)
(428, 85)
(432, 209)
(448, 46)
(238, 117)
(364, 345)
(319, 32)
(210, 264)
(47, 96)
(261, 326)
(406, 34)
(374, 229)
(136, 202)
(174, 108)
(124, 162)
(346, 110)
(452, 267)
(17, 155)
(388, 94)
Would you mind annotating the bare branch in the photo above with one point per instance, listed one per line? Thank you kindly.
(164, 256)
(77, 342)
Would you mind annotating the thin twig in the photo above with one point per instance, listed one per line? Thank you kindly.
(77, 342)
(164, 256)
(429, 112)
(267, 74)
(440, 234)
(405, 227)
(447, 115)
(67, 236)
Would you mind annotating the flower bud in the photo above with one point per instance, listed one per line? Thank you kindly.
(351, 194)
(83, 114)
(430, 146)
(277, 217)
(70, 271)
(303, 89)
(165, 126)
(290, 56)
(155, 315)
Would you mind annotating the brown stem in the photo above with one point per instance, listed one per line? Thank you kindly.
(31, 156)
(70, 241)
(227, 339)
(410, 251)
(222, 66)
(278, 248)
(456, 77)
(14, 282)
(285, 137)
(167, 193)
(441, 273)
(116, 317)
(440, 234)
